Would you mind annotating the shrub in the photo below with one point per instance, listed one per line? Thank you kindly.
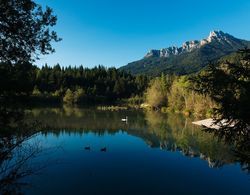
(156, 94)
(79, 94)
(68, 97)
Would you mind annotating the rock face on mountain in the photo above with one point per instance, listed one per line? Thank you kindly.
(191, 57)
(214, 36)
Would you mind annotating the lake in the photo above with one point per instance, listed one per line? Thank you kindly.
(151, 153)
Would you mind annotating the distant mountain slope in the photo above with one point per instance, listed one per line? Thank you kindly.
(190, 58)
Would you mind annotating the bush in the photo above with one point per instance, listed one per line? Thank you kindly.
(164, 109)
(79, 94)
(136, 100)
(182, 99)
(57, 93)
(68, 97)
(36, 91)
(156, 94)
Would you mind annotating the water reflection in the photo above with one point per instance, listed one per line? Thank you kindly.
(100, 149)
(15, 150)
(169, 132)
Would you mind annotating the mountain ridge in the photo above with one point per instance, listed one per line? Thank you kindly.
(191, 57)
(189, 46)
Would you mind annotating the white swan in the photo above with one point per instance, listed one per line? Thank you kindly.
(125, 119)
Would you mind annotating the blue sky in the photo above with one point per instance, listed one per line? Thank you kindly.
(116, 32)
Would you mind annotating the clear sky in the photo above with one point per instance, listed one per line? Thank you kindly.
(116, 32)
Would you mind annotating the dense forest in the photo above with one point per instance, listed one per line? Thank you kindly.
(73, 85)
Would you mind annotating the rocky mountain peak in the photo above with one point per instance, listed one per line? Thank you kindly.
(190, 57)
(217, 35)
(190, 45)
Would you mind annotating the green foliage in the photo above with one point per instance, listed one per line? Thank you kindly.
(25, 31)
(135, 100)
(79, 94)
(186, 63)
(69, 97)
(176, 97)
(164, 109)
(16, 79)
(156, 94)
(172, 93)
(36, 91)
(119, 87)
(98, 82)
(182, 99)
(228, 84)
(57, 93)
(75, 97)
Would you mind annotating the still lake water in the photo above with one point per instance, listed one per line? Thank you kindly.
(152, 153)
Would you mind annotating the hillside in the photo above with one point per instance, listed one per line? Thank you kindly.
(191, 57)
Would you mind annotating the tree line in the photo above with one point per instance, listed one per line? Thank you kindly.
(222, 89)
(71, 84)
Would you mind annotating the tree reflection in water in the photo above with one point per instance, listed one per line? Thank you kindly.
(240, 142)
(176, 133)
(170, 132)
(18, 147)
